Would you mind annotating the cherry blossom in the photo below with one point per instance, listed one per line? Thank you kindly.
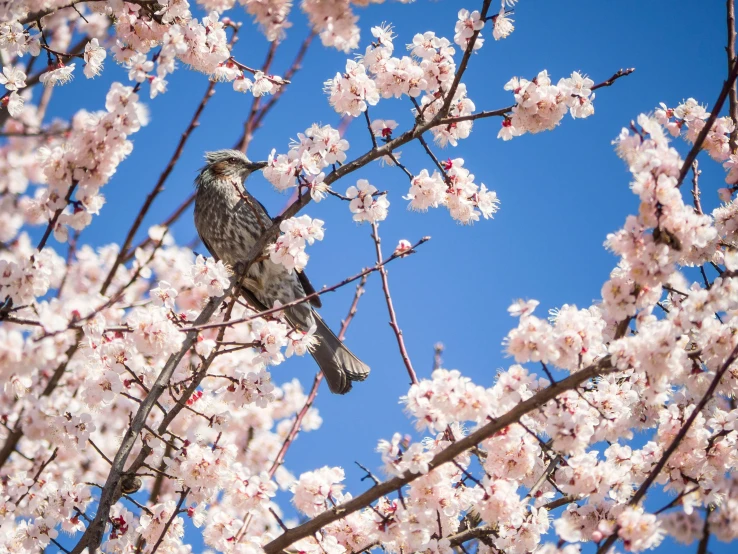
(134, 368)
(365, 205)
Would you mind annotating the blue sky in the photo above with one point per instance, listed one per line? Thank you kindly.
(561, 191)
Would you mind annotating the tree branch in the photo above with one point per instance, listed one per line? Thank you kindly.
(307, 529)
(390, 306)
(733, 96)
(654, 473)
(697, 146)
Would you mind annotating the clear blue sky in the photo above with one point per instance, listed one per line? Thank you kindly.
(561, 191)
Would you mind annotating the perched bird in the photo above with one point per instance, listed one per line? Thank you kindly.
(229, 221)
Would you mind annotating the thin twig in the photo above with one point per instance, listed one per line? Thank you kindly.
(380, 265)
(390, 306)
(55, 217)
(169, 522)
(38, 474)
(702, 547)
(256, 101)
(545, 475)
(245, 139)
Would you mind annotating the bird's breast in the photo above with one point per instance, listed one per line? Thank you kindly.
(227, 224)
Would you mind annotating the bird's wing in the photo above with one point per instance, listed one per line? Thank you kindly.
(304, 281)
(212, 252)
(309, 289)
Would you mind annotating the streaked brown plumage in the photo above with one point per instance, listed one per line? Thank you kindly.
(229, 221)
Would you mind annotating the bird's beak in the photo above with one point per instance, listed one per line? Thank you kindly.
(255, 166)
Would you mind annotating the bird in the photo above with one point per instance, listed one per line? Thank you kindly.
(229, 221)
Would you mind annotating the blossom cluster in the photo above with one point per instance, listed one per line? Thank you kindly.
(93, 332)
(541, 105)
(112, 357)
(297, 233)
(456, 190)
(313, 151)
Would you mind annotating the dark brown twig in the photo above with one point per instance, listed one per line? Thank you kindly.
(175, 513)
(697, 146)
(733, 95)
(55, 217)
(702, 547)
(245, 139)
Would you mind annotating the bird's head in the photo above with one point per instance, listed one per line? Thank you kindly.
(227, 164)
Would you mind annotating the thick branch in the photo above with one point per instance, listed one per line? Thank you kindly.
(94, 533)
(452, 451)
(733, 96)
(697, 146)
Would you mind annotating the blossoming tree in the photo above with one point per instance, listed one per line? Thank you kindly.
(158, 340)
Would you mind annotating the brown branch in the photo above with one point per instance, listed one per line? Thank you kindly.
(702, 547)
(611, 80)
(38, 474)
(545, 475)
(159, 186)
(279, 81)
(654, 473)
(256, 101)
(697, 146)
(176, 214)
(462, 66)
(369, 126)
(733, 95)
(696, 187)
(175, 513)
(390, 307)
(563, 501)
(55, 218)
(470, 534)
(504, 111)
(602, 367)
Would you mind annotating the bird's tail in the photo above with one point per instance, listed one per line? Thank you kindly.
(339, 365)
